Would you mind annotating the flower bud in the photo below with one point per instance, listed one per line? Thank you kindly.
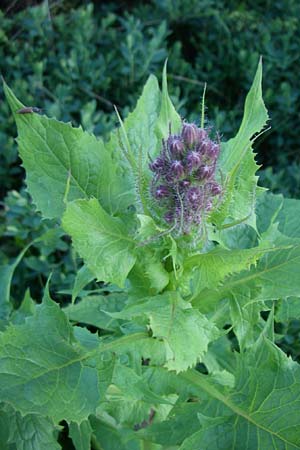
(177, 169)
(214, 188)
(213, 150)
(205, 146)
(190, 134)
(208, 205)
(185, 183)
(162, 191)
(195, 196)
(193, 160)
(169, 217)
(176, 145)
(205, 172)
(202, 134)
(157, 165)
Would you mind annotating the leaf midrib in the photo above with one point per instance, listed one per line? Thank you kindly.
(199, 380)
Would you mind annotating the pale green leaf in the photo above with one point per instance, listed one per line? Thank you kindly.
(260, 412)
(129, 396)
(100, 239)
(288, 308)
(211, 268)
(59, 158)
(168, 117)
(237, 162)
(6, 274)
(81, 434)
(42, 368)
(275, 276)
(32, 432)
(27, 308)
(185, 332)
(83, 277)
(109, 436)
(95, 310)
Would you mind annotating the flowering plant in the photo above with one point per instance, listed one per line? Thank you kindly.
(190, 251)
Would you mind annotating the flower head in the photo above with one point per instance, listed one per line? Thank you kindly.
(184, 183)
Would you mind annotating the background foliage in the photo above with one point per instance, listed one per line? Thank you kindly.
(77, 59)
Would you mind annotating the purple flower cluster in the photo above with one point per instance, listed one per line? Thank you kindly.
(184, 176)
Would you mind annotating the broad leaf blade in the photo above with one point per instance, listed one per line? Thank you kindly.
(101, 240)
(168, 117)
(238, 165)
(185, 332)
(42, 368)
(261, 412)
(81, 434)
(60, 159)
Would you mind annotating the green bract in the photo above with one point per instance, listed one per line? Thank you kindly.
(160, 372)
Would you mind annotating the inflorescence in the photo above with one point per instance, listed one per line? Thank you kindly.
(184, 177)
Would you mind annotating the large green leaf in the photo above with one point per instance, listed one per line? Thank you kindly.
(261, 412)
(211, 268)
(32, 432)
(100, 239)
(60, 159)
(81, 434)
(274, 276)
(237, 162)
(288, 308)
(168, 116)
(44, 371)
(95, 309)
(185, 332)
(135, 140)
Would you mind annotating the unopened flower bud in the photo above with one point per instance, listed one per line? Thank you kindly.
(190, 134)
(208, 205)
(202, 134)
(193, 160)
(177, 169)
(176, 145)
(185, 183)
(194, 196)
(213, 150)
(162, 191)
(205, 172)
(214, 188)
(157, 165)
(169, 217)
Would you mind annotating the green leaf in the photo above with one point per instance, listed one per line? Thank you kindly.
(109, 436)
(83, 277)
(137, 135)
(168, 116)
(274, 276)
(26, 309)
(6, 274)
(59, 158)
(81, 434)
(95, 310)
(178, 325)
(238, 165)
(288, 308)
(211, 268)
(129, 397)
(101, 240)
(288, 218)
(261, 412)
(32, 432)
(42, 368)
